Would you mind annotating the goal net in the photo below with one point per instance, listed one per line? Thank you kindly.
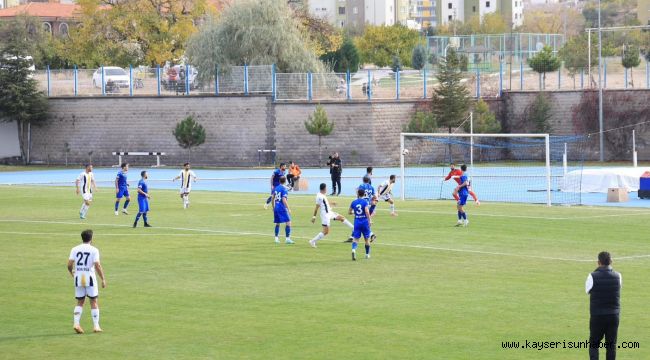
(525, 168)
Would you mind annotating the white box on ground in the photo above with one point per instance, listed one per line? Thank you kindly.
(617, 195)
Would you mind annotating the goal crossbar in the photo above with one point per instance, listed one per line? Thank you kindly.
(471, 136)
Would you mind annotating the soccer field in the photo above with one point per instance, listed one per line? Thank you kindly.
(209, 282)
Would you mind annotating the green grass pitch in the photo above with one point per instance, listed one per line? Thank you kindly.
(209, 283)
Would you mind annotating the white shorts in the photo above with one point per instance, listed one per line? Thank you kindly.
(326, 219)
(385, 197)
(185, 190)
(87, 196)
(81, 292)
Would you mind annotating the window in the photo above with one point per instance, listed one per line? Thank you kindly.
(341, 10)
(449, 17)
(63, 29)
(473, 8)
(355, 10)
(449, 6)
(487, 4)
(47, 27)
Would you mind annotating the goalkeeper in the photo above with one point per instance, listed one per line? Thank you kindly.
(456, 174)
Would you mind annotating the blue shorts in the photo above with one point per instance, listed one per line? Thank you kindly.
(361, 229)
(281, 216)
(122, 192)
(143, 203)
(462, 199)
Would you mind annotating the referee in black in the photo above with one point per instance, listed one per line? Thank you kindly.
(335, 172)
(604, 288)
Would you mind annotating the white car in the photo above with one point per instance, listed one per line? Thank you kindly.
(115, 74)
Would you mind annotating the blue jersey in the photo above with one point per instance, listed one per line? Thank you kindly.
(279, 193)
(359, 207)
(142, 185)
(277, 174)
(121, 180)
(463, 191)
(369, 191)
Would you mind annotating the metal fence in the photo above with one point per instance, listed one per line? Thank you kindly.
(506, 74)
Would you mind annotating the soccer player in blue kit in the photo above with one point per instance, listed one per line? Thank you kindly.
(370, 196)
(362, 222)
(143, 200)
(281, 211)
(122, 189)
(463, 192)
(275, 181)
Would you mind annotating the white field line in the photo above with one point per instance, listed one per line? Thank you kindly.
(223, 232)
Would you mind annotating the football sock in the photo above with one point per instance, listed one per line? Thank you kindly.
(137, 217)
(367, 249)
(392, 207)
(83, 209)
(348, 224)
(318, 237)
(117, 205)
(287, 231)
(372, 209)
(95, 315)
(77, 314)
(144, 217)
(126, 204)
(460, 215)
(354, 246)
(277, 230)
(268, 201)
(464, 215)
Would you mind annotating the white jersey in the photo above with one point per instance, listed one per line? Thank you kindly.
(186, 179)
(84, 257)
(326, 213)
(385, 189)
(85, 182)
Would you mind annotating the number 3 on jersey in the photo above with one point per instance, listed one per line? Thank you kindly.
(359, 210)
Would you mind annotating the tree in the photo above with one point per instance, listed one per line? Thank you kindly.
(379, 44)
(485, 121)
(463, 62)
(189, 134)
(132, 32)
(422, 122)
(20, 99)
(575, 55)
(451, 99)
(256, 33)
(631, 60)
(554, 19)
(318, 124)
(539, 114)
(544, 61)
(344, 58)
(396, 64)
(419, 57)
(40, 45)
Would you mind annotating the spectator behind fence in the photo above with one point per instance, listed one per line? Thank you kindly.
(294, 174)
(336, 170)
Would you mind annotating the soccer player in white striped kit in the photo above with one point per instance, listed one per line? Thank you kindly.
(82, 264)
(186, 175)
(326, 215)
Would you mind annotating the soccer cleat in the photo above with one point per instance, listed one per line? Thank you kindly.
(147, 225)
(78, 329)
(466, 223)
(125, 212)
(349, 240)
(289, 242)
(312, 243)
(393, 214)
(459, 223)
(373, 237)
(367, 256)
(116, 213)
(277, 241)
(266, 206)
(135, 224)
(354, 256)
(97, 329)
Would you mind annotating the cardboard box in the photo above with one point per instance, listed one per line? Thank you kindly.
(617, 195)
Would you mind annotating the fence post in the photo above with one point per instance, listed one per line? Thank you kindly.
(559, 75)
(347, 85)
(647, 74)
(424, 80)
(246, 79)
(130, 80)
(75, 80)
(158, 78)
(478, 83)
(309, 89)
(216, 79)
(521, 75)
(582, 78)
(369, 87)
(103, 83)
(273, 84)
(397, 84)
(47, 73)
(188, 70)
(500, 78)
(625, 76)
(605, 73)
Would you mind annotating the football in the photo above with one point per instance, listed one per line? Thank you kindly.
(405, 152)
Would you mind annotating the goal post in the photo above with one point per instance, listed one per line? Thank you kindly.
(499, 165)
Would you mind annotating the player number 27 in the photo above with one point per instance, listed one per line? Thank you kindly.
(80, 256)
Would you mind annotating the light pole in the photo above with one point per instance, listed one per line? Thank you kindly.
(600, 90)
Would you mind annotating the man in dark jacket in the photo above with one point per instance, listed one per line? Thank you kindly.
(335, 172)
(604, 288)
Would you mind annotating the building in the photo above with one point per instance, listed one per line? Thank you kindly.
(643, 12)
(463, 10)
(56, 18)
(325, 9)
(425, 13)
(380, 12)
(355, 15)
